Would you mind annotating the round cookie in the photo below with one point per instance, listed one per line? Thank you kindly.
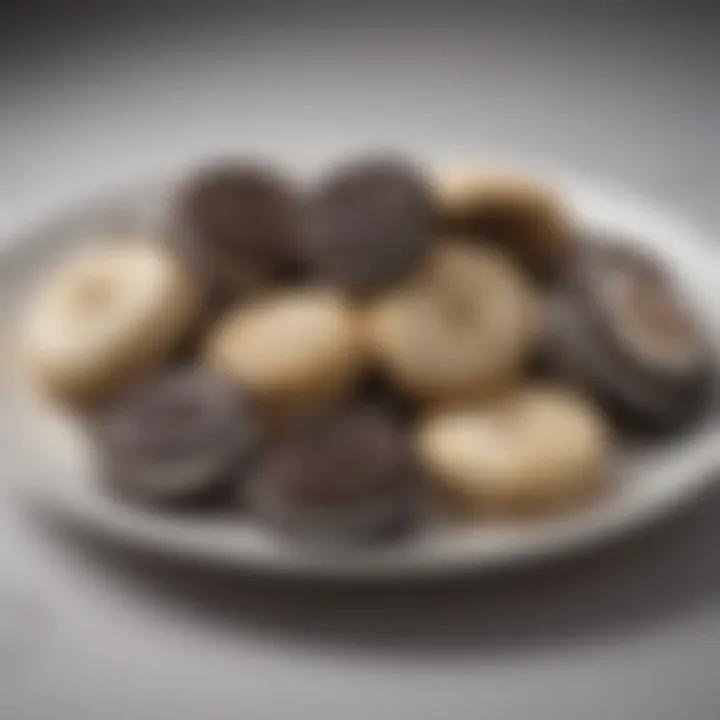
(346, 475)
(236, 225)
(463, 326)
(175, 440)
(518, 213)
(537, 450)
(290, 352)
(112, 314)
(621, 328)
(368, 224)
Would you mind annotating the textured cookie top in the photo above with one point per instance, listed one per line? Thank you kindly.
(368, 223)
(239, 222)
(169, 437)
(339, 457)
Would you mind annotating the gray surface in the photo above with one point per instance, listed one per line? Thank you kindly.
(631, 633)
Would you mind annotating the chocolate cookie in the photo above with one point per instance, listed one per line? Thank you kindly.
(347, 474)
(620, 326)
(236, 225)
(368, 224)
(175, 440)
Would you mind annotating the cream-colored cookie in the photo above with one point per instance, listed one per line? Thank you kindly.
(111, 314)
(539, 449)
(461, 327)
(517, 212)
(290, 352)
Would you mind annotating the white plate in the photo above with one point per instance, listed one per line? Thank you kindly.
(47, 461)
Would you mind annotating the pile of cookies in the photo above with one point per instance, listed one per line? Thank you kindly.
(333, 359)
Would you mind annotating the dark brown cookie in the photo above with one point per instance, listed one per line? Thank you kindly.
(348, 474)
(620, 326)
(369, 223)
(174, 440)
(236, 225)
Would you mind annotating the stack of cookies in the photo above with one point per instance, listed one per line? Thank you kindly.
(331, 359)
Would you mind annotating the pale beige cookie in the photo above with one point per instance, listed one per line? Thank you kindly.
(110, 315)
(539, 449)
(515, 211)
(290, 352)
(461, 327)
